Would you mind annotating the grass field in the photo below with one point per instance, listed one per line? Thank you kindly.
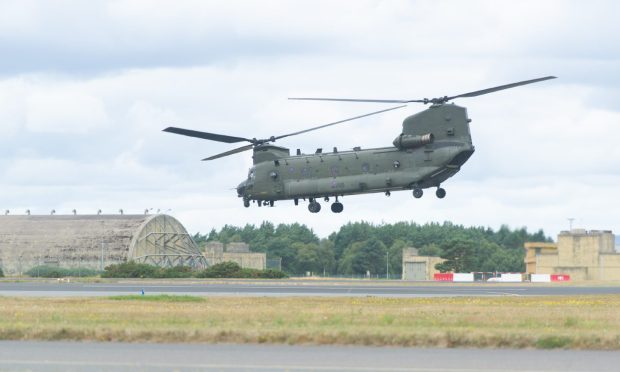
(585, 322)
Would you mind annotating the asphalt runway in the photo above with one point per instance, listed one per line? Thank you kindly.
(296, 288)
(72, 356)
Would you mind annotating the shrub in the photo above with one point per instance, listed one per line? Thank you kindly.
(175, 272)
(273, 274)
(47, 271)
(233, 270)
(133, 269)
(1, 273)
(221, 270)
(130, 269)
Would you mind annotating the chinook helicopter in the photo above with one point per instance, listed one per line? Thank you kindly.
(431, 148)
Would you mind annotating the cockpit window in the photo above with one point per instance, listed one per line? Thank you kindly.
(251, 174)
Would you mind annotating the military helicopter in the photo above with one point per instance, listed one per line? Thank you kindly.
(432, 147)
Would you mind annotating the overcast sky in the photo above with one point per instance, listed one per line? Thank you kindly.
(87, 86)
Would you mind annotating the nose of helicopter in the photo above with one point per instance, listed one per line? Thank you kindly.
(241, 188)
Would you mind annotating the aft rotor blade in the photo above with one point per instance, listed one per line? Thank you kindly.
(230, 152)
(205, 135)
(358, 100)
(438, 100)
(501, 87)
(338, 122)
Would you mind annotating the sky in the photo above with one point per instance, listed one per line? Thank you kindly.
(86, 88)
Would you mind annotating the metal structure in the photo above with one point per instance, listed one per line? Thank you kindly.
(94, 241)
(163, 241)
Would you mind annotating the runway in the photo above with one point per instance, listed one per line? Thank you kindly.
(70, 356)
(295, 288)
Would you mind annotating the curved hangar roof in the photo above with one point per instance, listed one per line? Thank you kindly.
(94, 241)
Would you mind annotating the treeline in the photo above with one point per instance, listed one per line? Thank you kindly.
(360, 247)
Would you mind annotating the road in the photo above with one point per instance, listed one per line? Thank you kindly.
(68, 356)
(295, 288)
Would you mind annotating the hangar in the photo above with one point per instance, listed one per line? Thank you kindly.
(94, 241)
(417, 267)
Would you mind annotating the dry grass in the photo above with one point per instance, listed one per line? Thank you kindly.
(585, 322)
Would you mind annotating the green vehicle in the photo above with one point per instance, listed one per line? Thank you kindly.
(432, 147)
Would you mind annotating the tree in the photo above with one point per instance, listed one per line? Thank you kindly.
(282, 247)
(362, 257)
(459, 256)
(349, 234)
(297, 232)
(308, 258)
(395, 253)
(430, 250)
(347, 250)
(327, 256)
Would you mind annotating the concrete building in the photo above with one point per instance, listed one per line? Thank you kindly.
(419, 267)
(94, 241)
(584, 255)
(217, 252)
(534, 250)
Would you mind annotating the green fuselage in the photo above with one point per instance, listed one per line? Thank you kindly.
(432, 147)
(354, 172)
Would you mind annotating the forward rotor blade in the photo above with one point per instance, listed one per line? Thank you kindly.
(357, 100)
(501, 87)
(338, 122)
(230, 152)
(205, 135)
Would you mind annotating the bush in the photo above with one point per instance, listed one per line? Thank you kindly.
(130, 269)
(1, 273)
(47, 271)
(222, 270)
(273, 274)
(233, 270)
(176, 272)
(133, 269)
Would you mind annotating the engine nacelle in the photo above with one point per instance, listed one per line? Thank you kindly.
(409, 141)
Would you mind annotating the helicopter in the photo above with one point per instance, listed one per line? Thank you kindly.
(432, 147)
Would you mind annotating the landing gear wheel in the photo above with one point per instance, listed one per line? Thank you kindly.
(271, 202)
(441, 193)
(337, 207)
(417, 193)
(246, 203)
(314, 207)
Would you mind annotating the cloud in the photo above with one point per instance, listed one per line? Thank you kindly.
(63, 112)
(89, 86)
(99, 36)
